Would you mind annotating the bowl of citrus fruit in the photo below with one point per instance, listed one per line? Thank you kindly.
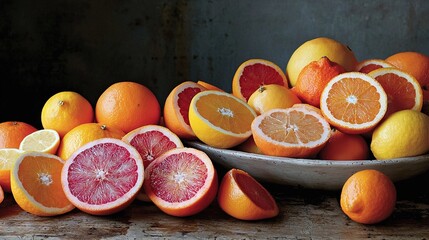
(317, 123)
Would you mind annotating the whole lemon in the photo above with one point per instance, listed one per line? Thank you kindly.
(316, 48)
(271, 96)
(403, 134)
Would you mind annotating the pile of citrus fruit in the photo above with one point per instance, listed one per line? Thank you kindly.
(326, 105)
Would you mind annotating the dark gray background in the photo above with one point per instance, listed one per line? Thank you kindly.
(85, 46)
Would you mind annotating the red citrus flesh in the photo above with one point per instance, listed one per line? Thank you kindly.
(181, 182)
(151, 141)
(257, 75)
(103, 176)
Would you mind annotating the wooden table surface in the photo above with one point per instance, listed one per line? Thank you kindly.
(304, 214)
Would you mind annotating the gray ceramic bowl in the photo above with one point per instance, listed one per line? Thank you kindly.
(310, 173)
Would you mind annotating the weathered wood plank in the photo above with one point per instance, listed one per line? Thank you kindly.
(305, 214)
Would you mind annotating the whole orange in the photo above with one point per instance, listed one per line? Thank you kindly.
(65, 110)
(414, 63)
(127, 106)
(343, 146)
(368, 196)
(83, 134)
(12, 133)
(313, 78)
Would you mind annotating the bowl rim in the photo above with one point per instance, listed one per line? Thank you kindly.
(306, 161)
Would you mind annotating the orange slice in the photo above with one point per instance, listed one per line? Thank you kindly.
(369, 65)
(243, 197)
(252, 74)
(181, 182)
(353, 102)
(220, 119)
(292, 132)
(36, 184)
(43, 140)
(402, 89)
(176, 108)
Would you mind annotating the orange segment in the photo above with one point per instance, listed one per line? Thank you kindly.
(243, 197)
(252, 74)
(176, 108)
(220, 119)
(353, 102)
(36, 184)
(402, 89)
(293, 132)
(369, 65)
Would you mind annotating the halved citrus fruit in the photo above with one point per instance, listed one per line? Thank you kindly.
(36, 184)
(243, 197)
(372, 64)
(181, 182)
(353, 102)
(43, 140)
(8, 157)
(86, 133)
(176, 108)
(103, 176)
(292, 132)
(151, 141)
(220, 119)
(252, 74)
(402, 89)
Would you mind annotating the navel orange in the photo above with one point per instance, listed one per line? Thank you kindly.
(65, 110)
(252, 74)
(368, 197)
(353, 102)
(343, 146)
(83, 134)
(12, 133)
(127, 106)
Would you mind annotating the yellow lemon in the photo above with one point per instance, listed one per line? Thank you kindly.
(403, 134)
(316, 48)
(271, 96)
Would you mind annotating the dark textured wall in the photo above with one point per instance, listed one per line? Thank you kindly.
(84, 46)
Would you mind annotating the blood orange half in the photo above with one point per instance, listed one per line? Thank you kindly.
(181, 182)
(252, 74)
(103, 176)
(176, 108)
